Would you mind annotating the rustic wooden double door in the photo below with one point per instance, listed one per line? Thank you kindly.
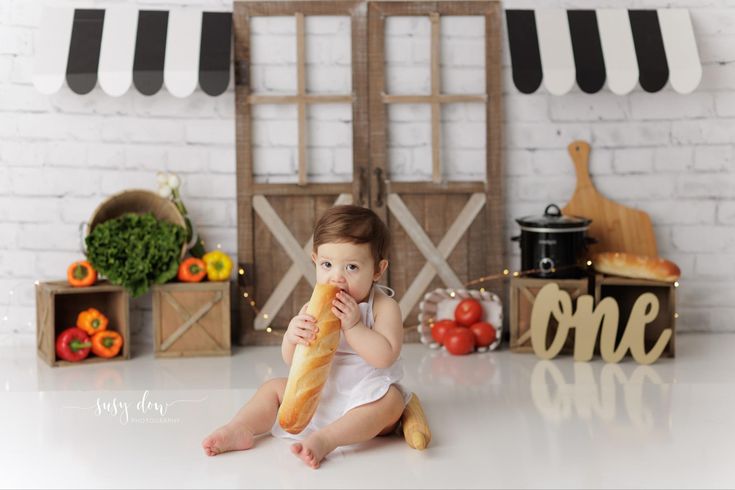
(444, 233)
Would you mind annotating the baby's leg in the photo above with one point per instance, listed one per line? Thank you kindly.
(359, 424)
(256, 417)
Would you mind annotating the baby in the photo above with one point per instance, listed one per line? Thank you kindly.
(362, 397)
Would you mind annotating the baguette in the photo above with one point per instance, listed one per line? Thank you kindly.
(311, 363)
(636, 266)
(415, 427)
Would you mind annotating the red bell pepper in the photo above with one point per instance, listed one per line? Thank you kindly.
(73, 344)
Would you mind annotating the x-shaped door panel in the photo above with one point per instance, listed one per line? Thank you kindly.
(436, 257)
(301, 256)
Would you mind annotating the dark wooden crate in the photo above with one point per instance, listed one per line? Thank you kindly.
(626, 291)
(192, 319)
(57, 306)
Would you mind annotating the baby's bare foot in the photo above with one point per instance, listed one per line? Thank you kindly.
(312, 450)
(228, 438)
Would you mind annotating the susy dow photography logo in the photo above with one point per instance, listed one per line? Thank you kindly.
(144, 409)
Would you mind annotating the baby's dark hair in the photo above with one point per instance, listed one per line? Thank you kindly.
(353, 224)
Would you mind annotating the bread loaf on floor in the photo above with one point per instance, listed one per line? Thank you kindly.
(637, 266)
(311, 363)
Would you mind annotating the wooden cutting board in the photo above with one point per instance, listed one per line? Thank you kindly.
(617, 228)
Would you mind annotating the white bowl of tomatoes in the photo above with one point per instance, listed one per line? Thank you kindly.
(461, 320)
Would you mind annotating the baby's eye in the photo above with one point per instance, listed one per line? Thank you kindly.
(352, 267)
(326, 264)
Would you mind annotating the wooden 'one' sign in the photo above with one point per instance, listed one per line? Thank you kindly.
(588, 321)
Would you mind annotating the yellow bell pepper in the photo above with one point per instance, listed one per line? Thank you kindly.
(219, 265)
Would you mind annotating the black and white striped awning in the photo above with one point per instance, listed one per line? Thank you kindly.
(121, 45)
(622, 47)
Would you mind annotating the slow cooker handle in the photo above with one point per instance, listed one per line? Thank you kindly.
(590, 240)
(515, 238)
(552, 206)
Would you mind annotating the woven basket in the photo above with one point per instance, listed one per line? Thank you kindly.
(440, 304)
(135, 201)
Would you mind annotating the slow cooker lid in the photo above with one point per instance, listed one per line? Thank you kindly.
(552, 218)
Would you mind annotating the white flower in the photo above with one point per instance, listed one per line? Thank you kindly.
(162, 178)
(173, 181)
(164, 191)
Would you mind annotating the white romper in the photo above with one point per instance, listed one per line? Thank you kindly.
(352, 381)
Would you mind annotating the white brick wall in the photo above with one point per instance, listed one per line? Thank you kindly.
(667, 154)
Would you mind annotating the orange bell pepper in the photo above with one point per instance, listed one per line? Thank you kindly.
(107, 343)
(192, 270)
(81, 274)
(92, 321)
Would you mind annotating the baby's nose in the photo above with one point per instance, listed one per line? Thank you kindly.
(337, 279)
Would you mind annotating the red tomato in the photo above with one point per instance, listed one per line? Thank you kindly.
(484, 332)
(440, 328)
(468, 311)
(459, 341)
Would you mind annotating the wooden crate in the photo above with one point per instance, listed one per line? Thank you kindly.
(57, 306)
(523, 291)
(192, 319)
(625, 291)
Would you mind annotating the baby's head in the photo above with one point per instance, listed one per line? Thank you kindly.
(350, 249)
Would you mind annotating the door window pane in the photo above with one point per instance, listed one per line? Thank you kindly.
(329, 145)
(328, 54)
(409, 142)
(462, 54)
(407, 55)
(275, 143)
(463, 145)
(273, 55)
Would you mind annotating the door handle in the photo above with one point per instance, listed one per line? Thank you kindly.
(364, 184)
(381, 187)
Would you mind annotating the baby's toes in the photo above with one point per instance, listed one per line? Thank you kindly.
(313, 462)
(308, 457)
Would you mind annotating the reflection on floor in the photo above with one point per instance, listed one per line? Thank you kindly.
(499, 420)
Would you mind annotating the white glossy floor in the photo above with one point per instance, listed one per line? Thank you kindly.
(499, 420)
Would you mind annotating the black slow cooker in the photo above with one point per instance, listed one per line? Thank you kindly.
(553, 245)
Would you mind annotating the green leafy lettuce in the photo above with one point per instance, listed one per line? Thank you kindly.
(136, 251)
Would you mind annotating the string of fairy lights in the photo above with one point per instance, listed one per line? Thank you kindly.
(503, 275)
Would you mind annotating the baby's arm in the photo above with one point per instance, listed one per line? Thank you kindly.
(381, 345)
(301, 330)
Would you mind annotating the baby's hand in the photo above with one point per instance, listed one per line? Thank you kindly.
(302, 329)
(346, 309)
